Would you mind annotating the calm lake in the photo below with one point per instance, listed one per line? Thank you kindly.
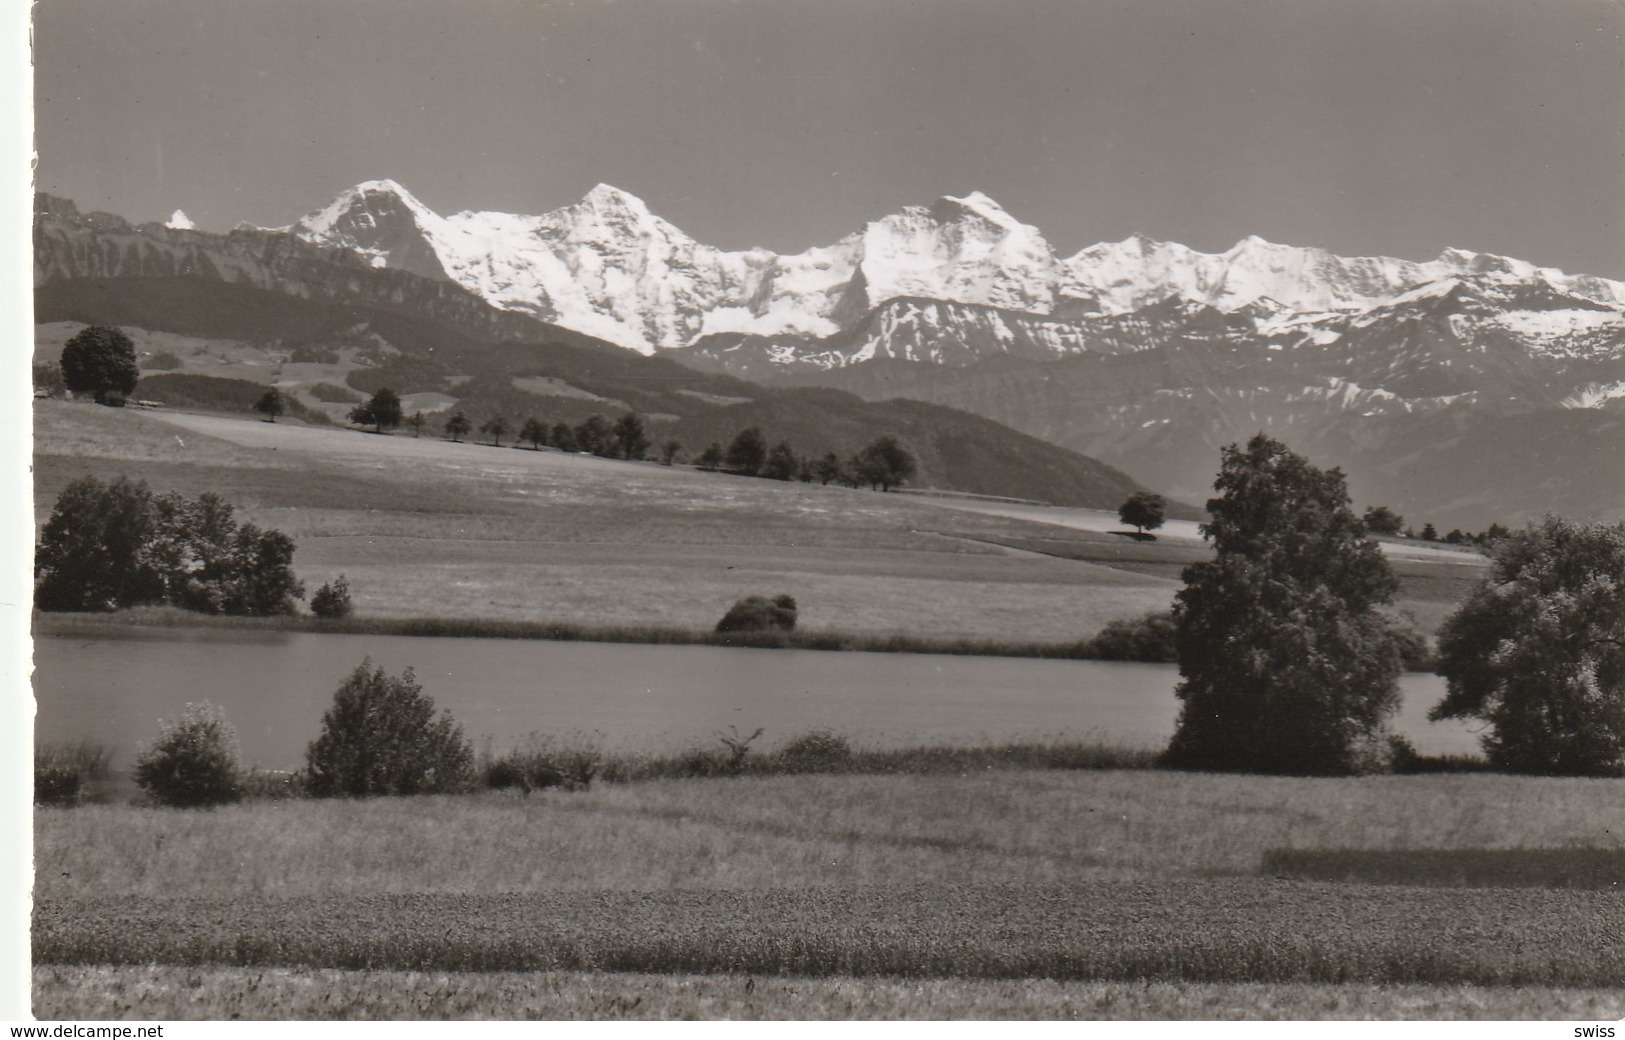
(115, 685)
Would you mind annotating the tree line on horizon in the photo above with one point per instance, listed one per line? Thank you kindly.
(883, 464)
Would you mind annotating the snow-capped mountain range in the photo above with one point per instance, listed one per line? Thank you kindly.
(608, 267)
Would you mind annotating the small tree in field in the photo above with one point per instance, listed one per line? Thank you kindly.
(631, 440)
(497, 427)
(1143, 511)
(416, 422)
(271, 405)
(1287, 665)
(747, 453)
(457, 426)
(100, 360)
(711, 458)
(781, 462)
(1538, 651)
(827, 468)
(381, 736)
(193, 763)
(669, 452)
(1382, 520)
(534, 433)
(564, 436)
(883, 464)
(594, 436)
(381, 411)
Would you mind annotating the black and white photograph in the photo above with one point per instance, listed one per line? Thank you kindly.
(806, 510)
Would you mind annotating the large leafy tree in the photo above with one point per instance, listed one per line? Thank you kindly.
(1288, 666)
(1538, 651)
(100, 360)
(92, 552)
(116, 545)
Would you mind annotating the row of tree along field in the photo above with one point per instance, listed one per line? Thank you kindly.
(883, 463)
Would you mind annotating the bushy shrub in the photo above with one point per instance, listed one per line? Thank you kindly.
(332, 600)
(818, 750)
(1149, 637)
(63, 773)
(381, 736)
(541, 762)
(193, 762)
(758, 613)
(331, 394)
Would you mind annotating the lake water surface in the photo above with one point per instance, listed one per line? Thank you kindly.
(115, 685)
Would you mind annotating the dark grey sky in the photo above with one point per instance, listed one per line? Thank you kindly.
(1393, 127)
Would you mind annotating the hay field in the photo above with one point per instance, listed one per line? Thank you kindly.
(1104, 894)
(425, 526)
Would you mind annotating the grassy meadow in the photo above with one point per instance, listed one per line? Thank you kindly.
(465, 531)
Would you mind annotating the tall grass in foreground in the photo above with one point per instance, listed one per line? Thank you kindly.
(70, 772)
(102, 992)
(1201, 930)
(773, 832)
(542, 761)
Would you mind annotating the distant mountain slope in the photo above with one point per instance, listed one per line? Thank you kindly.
(425, 335)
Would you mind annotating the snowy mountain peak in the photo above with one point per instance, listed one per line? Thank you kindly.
(179, 221)
(976, 204)
(609, 267)
(609, 195)
(381, 221)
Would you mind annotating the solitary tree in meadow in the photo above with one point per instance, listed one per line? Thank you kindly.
(416, 422)
(711, 458)
(100, 360)
(271, 405)
(564, 437)
(1144, 511)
